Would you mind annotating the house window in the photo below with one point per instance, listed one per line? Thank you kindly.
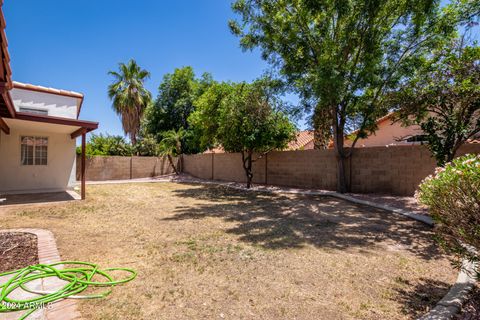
(34, 151)
(418, 138)
(32, 110)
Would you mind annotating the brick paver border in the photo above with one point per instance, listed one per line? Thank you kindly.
(48, 253)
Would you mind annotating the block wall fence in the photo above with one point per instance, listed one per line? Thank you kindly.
(393, 170)
(100, 168)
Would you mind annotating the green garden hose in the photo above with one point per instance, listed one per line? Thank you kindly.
(78, 279)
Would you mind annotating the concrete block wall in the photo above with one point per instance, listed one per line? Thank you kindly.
(229, 167)
(100, 168)
(393, 170)
(304, 169)
(199, 165)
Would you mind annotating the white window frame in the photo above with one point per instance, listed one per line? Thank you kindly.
(34, 151)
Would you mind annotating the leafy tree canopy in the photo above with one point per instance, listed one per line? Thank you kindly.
(443, 98)
(245, 118)
(110, 145)
(342, 56)
(251, 120)
(205, 118)
(174, 104)
(107, 145)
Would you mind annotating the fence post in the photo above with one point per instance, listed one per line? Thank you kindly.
(266, 168)
(131, 162)
(213, 166)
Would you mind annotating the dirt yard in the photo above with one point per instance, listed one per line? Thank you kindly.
(206, 252)
(17, 250)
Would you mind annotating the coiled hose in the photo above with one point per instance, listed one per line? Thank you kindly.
(78, 279)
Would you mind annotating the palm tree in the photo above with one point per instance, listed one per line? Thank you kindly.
(129, 96)
(171, 145)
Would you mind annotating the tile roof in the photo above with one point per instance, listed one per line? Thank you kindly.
(473, 141)
(28, 86)
(60, 92)
(301, 140)
(215, 150)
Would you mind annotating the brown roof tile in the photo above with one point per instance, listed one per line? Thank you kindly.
(302, 139)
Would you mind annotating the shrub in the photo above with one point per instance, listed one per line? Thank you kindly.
(107, 145)
(146, 146)
(453, 196)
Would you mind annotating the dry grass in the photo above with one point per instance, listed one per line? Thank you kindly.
(205, 252)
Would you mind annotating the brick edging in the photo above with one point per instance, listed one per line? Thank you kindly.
(48, 253)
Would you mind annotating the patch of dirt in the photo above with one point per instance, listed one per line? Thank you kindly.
(471, 309)
(17, 250)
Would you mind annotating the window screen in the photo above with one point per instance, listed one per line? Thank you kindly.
(32, 110)
(34, 151)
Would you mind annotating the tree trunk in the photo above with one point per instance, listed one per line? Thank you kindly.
(133, 139)
(180, 163)
(321, 124)
(247, 166)
(172, 164)
(342, 186)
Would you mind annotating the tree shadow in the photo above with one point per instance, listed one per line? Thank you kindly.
(417, 300)
(285, 221)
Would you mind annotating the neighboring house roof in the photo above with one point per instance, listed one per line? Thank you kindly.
(215, 150)
(302, 139)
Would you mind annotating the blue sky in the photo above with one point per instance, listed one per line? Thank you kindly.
(73, 44)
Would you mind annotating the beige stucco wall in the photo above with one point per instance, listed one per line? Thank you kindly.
(57, 175)
(388, 133)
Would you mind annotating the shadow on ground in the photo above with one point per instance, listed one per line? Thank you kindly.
(32, 198)
(418, 300)
(287, 221)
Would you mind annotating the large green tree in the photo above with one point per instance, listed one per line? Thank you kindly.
(443, 98)
(129, 96)
(341, 55)
(205, 118)
(245, 118)
(175, 102)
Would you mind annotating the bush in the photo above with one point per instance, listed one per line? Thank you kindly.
(107, 145)
(146, 146)
(453, 196)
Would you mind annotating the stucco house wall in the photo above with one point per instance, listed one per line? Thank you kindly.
(59, 172)
(57, 175)
(389, 133)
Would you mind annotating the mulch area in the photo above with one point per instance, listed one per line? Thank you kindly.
(471, 309)
(17, 250)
